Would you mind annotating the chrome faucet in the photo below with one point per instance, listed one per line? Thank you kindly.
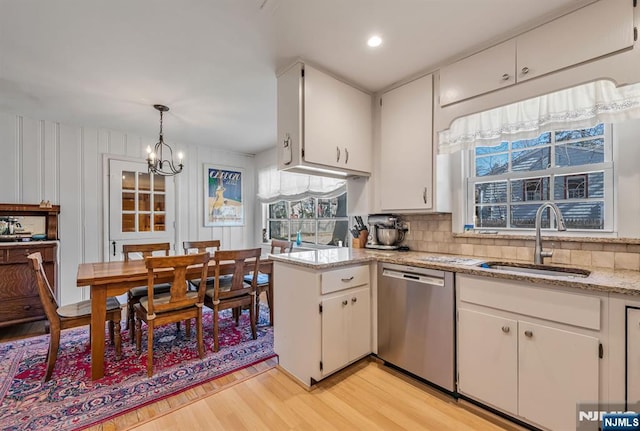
(539, 254)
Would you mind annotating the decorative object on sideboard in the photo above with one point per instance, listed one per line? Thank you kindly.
(156, 162)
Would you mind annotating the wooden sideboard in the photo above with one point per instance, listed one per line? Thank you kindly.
(19, 299)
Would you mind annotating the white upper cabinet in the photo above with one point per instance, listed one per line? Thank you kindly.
(591, 32)
(480, 73)
(322, 123)
(596, 30)
(406, 153)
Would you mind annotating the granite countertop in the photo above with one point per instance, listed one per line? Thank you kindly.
(601, 280)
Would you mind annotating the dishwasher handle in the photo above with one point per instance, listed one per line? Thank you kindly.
(418, 278)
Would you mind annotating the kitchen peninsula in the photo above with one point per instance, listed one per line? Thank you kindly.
(326, 308)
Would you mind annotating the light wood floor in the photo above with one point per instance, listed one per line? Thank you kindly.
(366, 395)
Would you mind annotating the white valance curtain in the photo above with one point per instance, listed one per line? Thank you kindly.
(275, 185)
(574, 108)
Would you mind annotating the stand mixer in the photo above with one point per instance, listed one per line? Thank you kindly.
(385, 232)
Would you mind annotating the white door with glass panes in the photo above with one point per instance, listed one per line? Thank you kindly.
(141, 208)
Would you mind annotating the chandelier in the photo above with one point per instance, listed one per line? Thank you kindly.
(155, 158)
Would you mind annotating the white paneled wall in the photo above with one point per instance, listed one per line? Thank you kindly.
(44, 160)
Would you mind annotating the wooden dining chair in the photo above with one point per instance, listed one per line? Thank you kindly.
(277, 246)
(178, 304)
(236, 293)
(200, 247)
(69, 316)
(134, 295)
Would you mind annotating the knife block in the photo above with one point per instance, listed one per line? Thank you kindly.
(361, 241)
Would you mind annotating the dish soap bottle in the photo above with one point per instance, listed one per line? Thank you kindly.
(298, 239)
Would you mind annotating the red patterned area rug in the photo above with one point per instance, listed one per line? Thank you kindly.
(71, 401)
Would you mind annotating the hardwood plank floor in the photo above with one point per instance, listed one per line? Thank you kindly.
(366, 395)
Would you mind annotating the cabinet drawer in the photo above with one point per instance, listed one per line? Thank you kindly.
(541, 302)
(19, 254)
(21, 308)
(344, 278)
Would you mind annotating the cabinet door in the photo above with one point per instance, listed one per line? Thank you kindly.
(488, 359)
(593, 31)
(480, 73)
(359, 323)
(289, 115)
(406, 155)
(633, 355)
(557, 370)
(337, 123)
(335, 335)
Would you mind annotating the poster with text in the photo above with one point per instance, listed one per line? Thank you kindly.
(223, 198)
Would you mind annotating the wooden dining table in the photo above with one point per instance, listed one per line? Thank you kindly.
(115, 278)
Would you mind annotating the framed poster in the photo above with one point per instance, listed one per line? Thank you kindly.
(223, 196)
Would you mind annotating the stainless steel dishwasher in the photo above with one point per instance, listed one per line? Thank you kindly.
(416, 322)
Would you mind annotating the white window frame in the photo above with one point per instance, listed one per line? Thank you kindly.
(607, 167)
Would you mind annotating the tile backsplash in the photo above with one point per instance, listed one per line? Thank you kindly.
(432, 233)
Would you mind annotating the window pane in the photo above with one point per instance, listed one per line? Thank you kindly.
(523, 216)
(566, 135)
(158, 183)
(278, 210)
(491, 216)
(504, 146)
(330, 232)
(144, 181)
(158, 202)
(492, 165)
(279, 229)
(128, 180)
(543, 139)
(307, 230)
(583, 215)
(579, 186)
(531, 160)
(144, 222)
(128, 223)
(530, 189)
(158, 223)
(128, 201)
(144, 202)
(580, 153)
(489, 193)
(331, 208)
(305, 208)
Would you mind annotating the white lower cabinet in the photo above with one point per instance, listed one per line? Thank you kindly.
(488, 359)
(322, 319)
(346, 328)
(536, 369)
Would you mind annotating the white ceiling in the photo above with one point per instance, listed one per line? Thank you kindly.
(213, 62)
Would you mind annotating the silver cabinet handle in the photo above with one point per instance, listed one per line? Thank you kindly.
(354, 300)
(337, 154)
(345, 302)
(506, 77)
(525, 70)
(506, 329)
(346, 155)
(424, 195)
(346, 280)
(528, 333)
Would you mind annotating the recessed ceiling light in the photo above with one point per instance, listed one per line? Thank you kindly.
(374, 41)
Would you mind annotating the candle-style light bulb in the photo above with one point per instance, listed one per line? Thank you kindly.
(180, 156)
(148, 149)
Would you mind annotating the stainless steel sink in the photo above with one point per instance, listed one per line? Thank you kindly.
(550, 271)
